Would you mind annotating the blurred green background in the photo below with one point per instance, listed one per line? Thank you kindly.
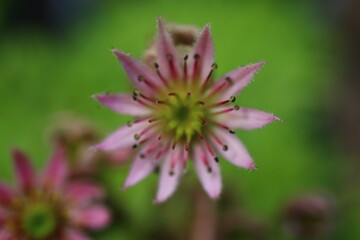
(55, 54)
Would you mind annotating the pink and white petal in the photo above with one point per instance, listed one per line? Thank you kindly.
(246, 118)
(240, 78)
(208, 171)
(6, 234)
(7, 194)
(74, 234)
(122, 138)
(235, 152)
(134, 69)
(168, 61)
(57, 169)
(84, 191)
(94, 217)
(143, 165)
(204, 48)
(170, 174)
(122, 103)
(25, 173)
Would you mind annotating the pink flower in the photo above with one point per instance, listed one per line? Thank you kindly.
(181, 114)
(49, 206)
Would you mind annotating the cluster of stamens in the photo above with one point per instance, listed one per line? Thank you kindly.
(184, 116)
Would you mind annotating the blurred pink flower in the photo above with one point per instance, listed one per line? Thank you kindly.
(49, 206)
(182, 113)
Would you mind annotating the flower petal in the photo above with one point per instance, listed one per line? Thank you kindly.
(134, 69)
(74, 234)
(94, 217)
(24, 171)
(122, 103)
(5, 234)
(204, 48)
(170, 173)
(57, 169)
(247, 118)
(143, 165)
(209, 173)
(167, 58)
(235, 152)
(84, 191)
(7, 194)
(123, 137)
(239, 78)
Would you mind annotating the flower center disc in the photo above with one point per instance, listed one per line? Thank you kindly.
(182, 115)
(39, 220)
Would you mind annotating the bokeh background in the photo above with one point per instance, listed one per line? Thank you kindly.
(54, 54)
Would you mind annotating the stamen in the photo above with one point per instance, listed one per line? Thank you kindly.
(196, 65)
(185, 69)
(160, 75)
(170, 59)
(227, 82)
(148, 83)
(147, 98)
(231, 99)
(216, 159)
(137, 137)
(225, 147)
(222, 126)
(224, 111)
(213, 67)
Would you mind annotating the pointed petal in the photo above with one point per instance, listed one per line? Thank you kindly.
(123, 137)
(57, 170)
(236, 153)
(247, 118)
(143, 165)
(94, 217)
(168, 61)
(122, 103)
(24, 171)
(134, 68)
(205, 49)
(7, 194)
(169, 175)
(209, 175)
(84, 191)
(74, 234)
(240, 78)
(5, 234)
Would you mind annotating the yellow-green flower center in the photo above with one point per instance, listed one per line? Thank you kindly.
(182, 114)
(39, 220)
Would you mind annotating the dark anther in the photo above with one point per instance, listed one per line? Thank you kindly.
(171, 173)
(142, 155)
(214, 66)
(140, 78)
(136, 136)
(231, 131)
(134, 97)
(216, 159)
(225, 148)
(196, 56)
(134, 146)
(129, 123)
(232, 99)
(228, 79)
(186, 57)
(236, 107)
(156, 65)
(209, 169)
